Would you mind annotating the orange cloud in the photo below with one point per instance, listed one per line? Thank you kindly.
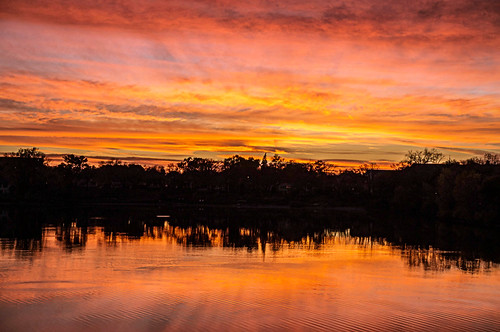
(316, 80)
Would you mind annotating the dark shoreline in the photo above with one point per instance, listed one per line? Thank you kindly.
(454, 193)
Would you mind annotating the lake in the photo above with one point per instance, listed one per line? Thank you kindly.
(162, 274)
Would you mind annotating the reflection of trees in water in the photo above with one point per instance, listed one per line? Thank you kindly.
(435, 260)
(22, 234)
(22, 248)
(71, 237)
(255, 238)
(249, 238)
(203, 236)
(25, 234)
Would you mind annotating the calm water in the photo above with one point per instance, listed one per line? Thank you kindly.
(166, 277)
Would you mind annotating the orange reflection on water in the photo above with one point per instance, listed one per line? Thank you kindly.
(173, 278)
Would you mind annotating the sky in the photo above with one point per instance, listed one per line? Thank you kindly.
(343, 81)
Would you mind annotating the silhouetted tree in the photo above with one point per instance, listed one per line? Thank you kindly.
(319, 167)
(425, 156)
(487, 159)
(491, 159)
(240, 163)
(75, 163)
(277, 162)
(263, 164)
(28, 153)
(201, 165)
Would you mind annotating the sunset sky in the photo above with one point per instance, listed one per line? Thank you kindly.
(346, 81)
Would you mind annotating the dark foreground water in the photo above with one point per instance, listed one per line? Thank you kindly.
(164, 277)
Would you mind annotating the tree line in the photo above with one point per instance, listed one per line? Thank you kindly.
(422, 184)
